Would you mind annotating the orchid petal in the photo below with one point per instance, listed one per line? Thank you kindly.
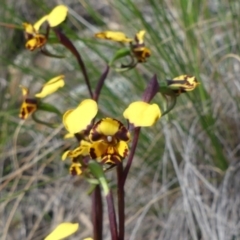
(140, 37)
(114, 36)
(63, 230)
(28, 28)
(51, 86)
(57, 15)
(76, 120)
(39, 23)
(25, 90)
(142, 114)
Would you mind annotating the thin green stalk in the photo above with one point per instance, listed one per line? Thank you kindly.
(36, 119)
(173, 103)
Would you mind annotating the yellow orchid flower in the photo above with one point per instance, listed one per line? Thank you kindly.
(142, 114)
(76, 120)
(137, 45)
(183, 83)
(82, 150)
(141, 53)
(34, 38)
(109, 139)
(29, 105)
(63, 230)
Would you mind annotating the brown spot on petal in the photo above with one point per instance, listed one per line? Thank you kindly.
(111, 159)
(75, 169)
(125, 152)
(30, 109)
(92, 153)
(31, 101)
(123, 134)
(95, 136)
(94, 133)
(28, 106)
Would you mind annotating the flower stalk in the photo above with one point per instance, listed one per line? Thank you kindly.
(65, 41)
(100, 84)
(121, 202)
(97, 213)
(131, 155)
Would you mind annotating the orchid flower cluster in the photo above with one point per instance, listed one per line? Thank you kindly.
(104, 143)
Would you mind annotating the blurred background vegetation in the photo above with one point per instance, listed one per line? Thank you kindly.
(185, 178)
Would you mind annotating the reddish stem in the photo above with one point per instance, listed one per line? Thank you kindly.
(65, 41)
(131, 155)
(121, 203)
(100, 84)
(112, 216)
(97, 215)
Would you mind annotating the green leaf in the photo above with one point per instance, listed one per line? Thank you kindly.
(48, 108)
(123, 52)
(97, 171)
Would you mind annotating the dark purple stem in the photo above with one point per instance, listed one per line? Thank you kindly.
(64, 40)
(121, 203)
(131, 155)
(97, 215)
(151, 89)
(112, 216)
(100, 84)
